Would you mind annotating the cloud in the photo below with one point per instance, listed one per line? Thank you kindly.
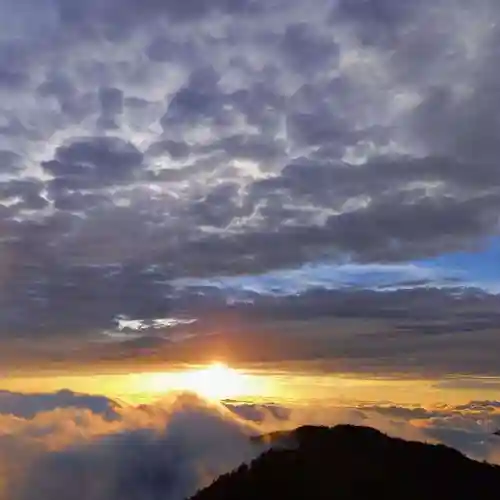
(115, 22)
(237, 137)
(179, 444)
(260, 413)
(9, 160)
(350, 329)
(23, 194)
(88, 162)
(27, 406)
(171, 449)
(152, 333)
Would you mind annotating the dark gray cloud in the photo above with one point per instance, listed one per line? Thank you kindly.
(421, 333)
(24, 194)
(93, 162)
(377, 23)
(12, 79)
(115, 19)
(306, 51)
(78, 299)
(258, 412)
(111, 101)
(27, 406)
(229, 137)
(68, 201)
(175, 149)
(199, 100)
(9, 161)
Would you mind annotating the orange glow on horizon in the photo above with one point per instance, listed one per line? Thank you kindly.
(216, 381)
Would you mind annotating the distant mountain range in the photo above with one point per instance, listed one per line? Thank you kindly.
(355, 463)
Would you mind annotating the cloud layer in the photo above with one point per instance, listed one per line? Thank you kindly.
(178, 445)
(148, 141)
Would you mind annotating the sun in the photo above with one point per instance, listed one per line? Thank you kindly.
(217, 381)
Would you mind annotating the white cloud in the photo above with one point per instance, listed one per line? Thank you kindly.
(155, 323)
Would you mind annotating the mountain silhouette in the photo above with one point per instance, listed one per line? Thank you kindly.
(355, 463)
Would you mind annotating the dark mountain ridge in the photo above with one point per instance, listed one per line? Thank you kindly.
(355, 463)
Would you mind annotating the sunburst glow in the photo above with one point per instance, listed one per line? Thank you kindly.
(216, 381)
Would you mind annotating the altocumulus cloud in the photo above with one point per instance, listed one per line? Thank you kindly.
(146, 141)
(175, 446)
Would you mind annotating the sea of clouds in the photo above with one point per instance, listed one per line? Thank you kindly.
(67, 445)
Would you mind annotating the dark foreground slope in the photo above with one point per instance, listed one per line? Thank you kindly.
(348, 462)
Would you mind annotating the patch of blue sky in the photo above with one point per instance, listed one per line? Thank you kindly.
(328, 276)
(479, 269)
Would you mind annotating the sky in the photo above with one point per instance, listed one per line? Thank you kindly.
(305, 191)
